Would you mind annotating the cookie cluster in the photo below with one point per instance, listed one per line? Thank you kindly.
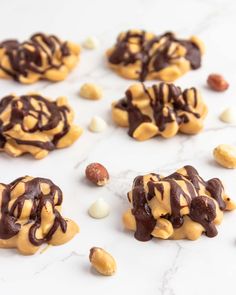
(34, 124)
(163, 109)
(141, 55)
(40, 57)
(30, 215)
(179, 206)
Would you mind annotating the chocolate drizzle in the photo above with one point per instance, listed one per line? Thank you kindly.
(135, 115)
(203, 211)
(28, 56)
(48, 116)
(11, 212)
(172, 105)
(151, 59)
(144, 220)
(202, 208)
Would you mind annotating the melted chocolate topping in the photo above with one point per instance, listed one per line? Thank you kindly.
(176, 102)
(202, 209)
(28, 56)
(135, 115)
(9, 225)
(144, 220)
(157, 59)
(22, 107)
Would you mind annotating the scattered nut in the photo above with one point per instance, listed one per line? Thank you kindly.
(97, 174)
(225, 155)
(99, 209)
(91, 91)
(229, 115)
(163, 229)
(102, 261)
(91, 43)
(217, 82)
(97, 124)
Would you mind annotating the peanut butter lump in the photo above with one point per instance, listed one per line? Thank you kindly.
(179, 206)
(163, 109)
(36, 125)
(30, 215)
(40, 57)
(144, 56)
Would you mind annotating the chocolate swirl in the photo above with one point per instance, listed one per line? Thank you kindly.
(33, 59)
(33, 121)
(152, 53)
(31, 205)
(201, 201)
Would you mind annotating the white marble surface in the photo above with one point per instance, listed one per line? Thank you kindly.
(206, 266)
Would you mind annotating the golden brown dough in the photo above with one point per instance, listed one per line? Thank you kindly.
(179, 206)
(30, 215)
(163, 109)
(41, 57)
(34, 124)
(141, 55)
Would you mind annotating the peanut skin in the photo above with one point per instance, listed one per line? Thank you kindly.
(217, 82)
(97, 174)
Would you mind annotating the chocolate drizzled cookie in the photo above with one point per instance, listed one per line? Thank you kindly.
(163, 109)
(141, 55)
(41, 57)
(30, 215)
(36, 125)
(181, 205)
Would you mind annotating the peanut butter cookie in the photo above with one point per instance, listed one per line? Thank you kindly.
(36, 125)
(179, 206)
(40, 57)
(144, 56)
(163, 109)
(30, 215)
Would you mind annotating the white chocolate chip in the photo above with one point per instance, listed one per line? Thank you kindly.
(91, 43)
(97, 124)
(229, 115)
(99, 209)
